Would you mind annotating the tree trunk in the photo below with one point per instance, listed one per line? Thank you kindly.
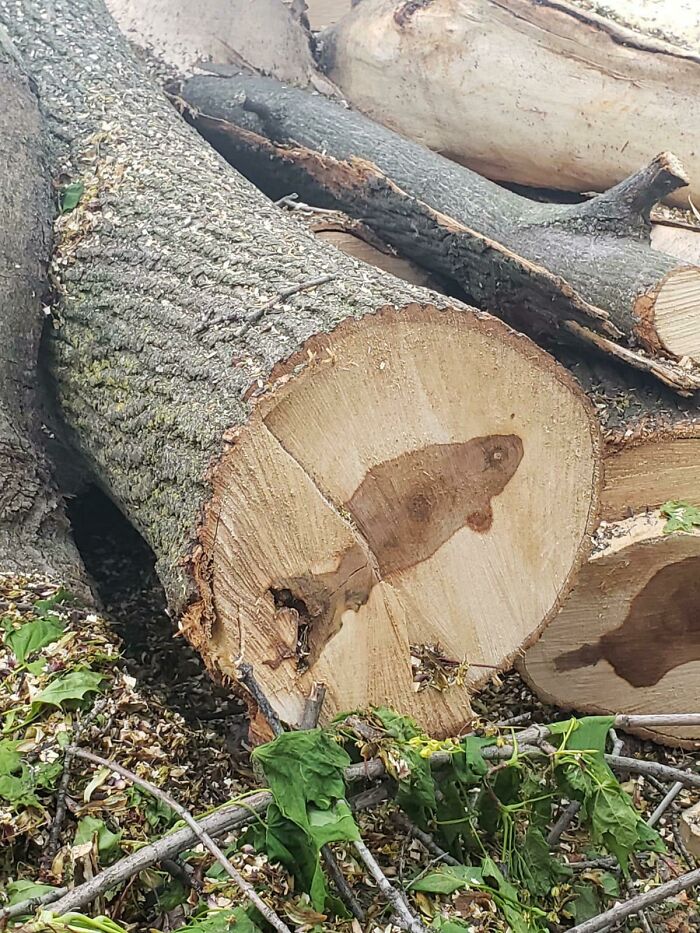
(584, 270)
(313, 482)
(34, 533)
(585, 101)
(628, 638)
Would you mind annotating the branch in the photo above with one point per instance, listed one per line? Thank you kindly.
(425, 839)
(638, 903)
(30, 905)
(632, 199)
(247, 678)
(245, 886)
(404, 916)
(665, 803)
(257, 315)
(313, 707)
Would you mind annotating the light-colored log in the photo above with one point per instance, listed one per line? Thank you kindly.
(544, 93)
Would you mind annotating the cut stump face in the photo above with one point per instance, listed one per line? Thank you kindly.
(628, 638)
(413, 478)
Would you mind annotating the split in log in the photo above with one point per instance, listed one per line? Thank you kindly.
(34, 532)
(628, 638)
(583, 271)
(547, 93)
(313, 480)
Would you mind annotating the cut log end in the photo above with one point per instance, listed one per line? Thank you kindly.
(677, 313)
(628, 638)
(411, 473)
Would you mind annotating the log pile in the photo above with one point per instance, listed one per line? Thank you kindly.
(389, 428)
(315, 449)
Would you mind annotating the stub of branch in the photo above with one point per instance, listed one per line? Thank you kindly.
(629, 203)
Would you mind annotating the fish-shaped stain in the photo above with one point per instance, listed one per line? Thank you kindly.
(661, 631)
(408, 507)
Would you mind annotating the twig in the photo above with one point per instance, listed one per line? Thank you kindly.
(636, 904)
(247, 678)
(665, 803)
(177, 870)
(346, 893)
(245, 886)
(663, 772)
(562, 824)
(60, 814)
(404, 916)
(618, 744)
(31, 904)
(292, 203)
(425, 839)
(256, 315)
(314, 705)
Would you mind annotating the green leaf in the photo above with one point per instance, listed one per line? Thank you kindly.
(19, 891)
(537, 869)
(448, 879)
(304, 771)
(32, 636)
(71, 195)
(222, 921)
(585, 905)
(681, 517)
(10, 758)
(74, 685)
(91, 829)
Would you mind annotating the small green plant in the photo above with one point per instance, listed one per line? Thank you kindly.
(681, 517)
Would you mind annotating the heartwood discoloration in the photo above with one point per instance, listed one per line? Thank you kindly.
(408, 507)
(660, 633)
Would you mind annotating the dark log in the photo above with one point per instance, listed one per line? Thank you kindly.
(314, 450)
(584, 269)
(34, 532)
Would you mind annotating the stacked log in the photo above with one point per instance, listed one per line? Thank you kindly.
(581, 272)
(590, 97)
(628, 638)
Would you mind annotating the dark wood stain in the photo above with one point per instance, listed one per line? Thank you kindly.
(661, 631)
(408, 507)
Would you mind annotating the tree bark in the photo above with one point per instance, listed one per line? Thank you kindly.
(583, 271)
(589, 93)
(34, 532)
(628, 638)
(312, 482)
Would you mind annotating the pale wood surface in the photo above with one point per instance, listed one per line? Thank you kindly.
(537, 93)
(305, 502)
(628, 638)
(644, 476)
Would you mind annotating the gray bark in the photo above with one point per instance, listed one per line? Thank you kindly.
(597, 263)
(34, 532)
(166, 237)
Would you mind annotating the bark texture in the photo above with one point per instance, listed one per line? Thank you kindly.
(588, 267)
(169, 271)
(34, 533)
(590, 90)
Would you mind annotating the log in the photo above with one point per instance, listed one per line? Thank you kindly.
(323, 13)
(628, 638)
(34, 532)
(583, 271)
(309, 447)
(585, 98)
(185, 35)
